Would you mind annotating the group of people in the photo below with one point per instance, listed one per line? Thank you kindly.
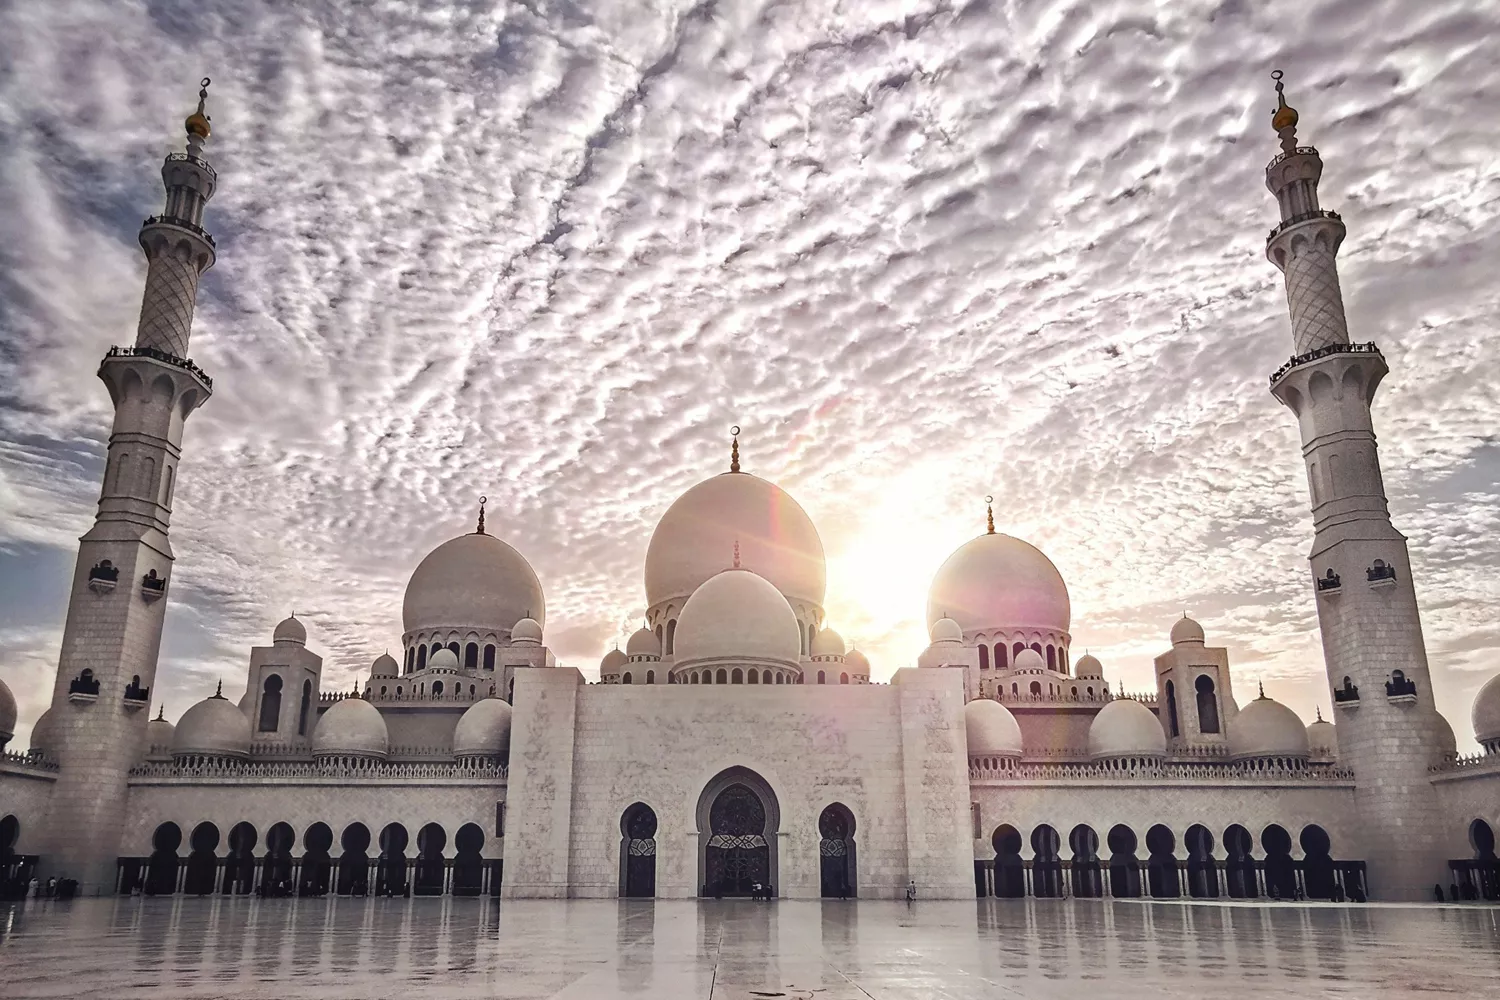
(53, 888)
(1456, 893)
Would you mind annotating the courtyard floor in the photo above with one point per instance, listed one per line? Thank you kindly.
(739, 950)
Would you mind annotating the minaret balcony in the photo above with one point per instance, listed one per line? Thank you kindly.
(1327, 350)
(1381, 576)
(1329, 585)
(153, 587)
(1297, 220)
(186, 364)
(167, 220)
(103, 577)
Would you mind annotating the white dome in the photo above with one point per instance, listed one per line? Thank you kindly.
(445, 660)
(1029, 661)
(1447, 739)
(352, 727)
(857, 662)
(385, 665)
(612, 662)
(643, 642)
(828, 643)
(1267, 728)
(214, 727)
(1186, 631)
(991, 730)
(7, 713)
(1088, 668)
(946, 630)
(41, 733)
(289, 630)
(160, 735)
(1486, 712)
(1322, 739)
(484, 730)
(695, 539)
(472, 581)
(1126, 728)
(526, 632)
(737, 615)
(999, 582)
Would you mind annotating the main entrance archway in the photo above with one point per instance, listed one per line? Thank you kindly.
(738, 818)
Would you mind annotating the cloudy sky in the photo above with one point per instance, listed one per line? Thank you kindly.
(922, 250)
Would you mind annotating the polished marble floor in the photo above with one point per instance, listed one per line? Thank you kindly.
(739, 950)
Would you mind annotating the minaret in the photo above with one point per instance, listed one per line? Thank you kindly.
(1361, 577)
(107, 666)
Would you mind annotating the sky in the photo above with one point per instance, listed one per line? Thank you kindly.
(921, 251)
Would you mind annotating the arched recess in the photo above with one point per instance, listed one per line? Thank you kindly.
(10, 832)
(1010, 869)
(161, 873)
(638, 852)
(239, 866)
(1202, 869)
(354, 861)
(1124, 867)
(390, 874)
(317, 866)
(203, 861)
(1088, 881)
(738, 818)
(431, 864)
(1317, 863)
(1046, 863)
(1486, 882)
(305, 707)
(1239, 863)
(468, 866)
(1208, 704)
(1173, 729)
(1281, 870)
(1161, 863)
(838, 867)
(276, 877)
(270, 704)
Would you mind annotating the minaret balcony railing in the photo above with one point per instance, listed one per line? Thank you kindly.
(167, 220)
(1329, 583)
(1299, 151)
(1325, 351)
(1322, 213)
(196, 161)
(157, 354)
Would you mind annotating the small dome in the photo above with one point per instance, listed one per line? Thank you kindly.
(999, 582)
(289, 631)
(484, 730)
(643, 642)
(1088, 668)
(526, 632)
(41, 734)
(352, 727)
(7, 714)
(857, 662)
(445, 660)
(738, 615)
(472, 581)
(1322, 739)
(1486, 712)
(945, 629)
(991, 730)
(1126, 728)
(160, 734)
(1185, 630)
(1447, 740)
(1267, 728)
(215, 728)
(827, 643)
(1029, 661)
(385, 665)
(612, 662)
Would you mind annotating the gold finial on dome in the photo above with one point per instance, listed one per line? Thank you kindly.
(198, 122)
(480, 529)
(1285, 116)
(734, 448)
(989, 515)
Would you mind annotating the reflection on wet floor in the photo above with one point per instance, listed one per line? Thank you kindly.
(452, 947)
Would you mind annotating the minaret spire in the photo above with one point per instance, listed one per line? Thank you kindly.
(989, 515)
(734, 449)
(1370, 624)
(480, 529)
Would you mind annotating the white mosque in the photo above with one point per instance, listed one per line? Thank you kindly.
(999, 764)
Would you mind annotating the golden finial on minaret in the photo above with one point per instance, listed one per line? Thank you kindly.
(482, 501)
(989, 515)
(734, 448)
(1284, 118)
(198, 122)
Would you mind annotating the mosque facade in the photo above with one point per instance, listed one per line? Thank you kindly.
(1000, 763)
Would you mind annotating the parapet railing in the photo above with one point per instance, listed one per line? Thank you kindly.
(169, 220)
(195, 160)
(344, 768)
(1321, 213)
(1321, 352)
(1467, 762)
(164, 357)
(1100, 697)
(29, 761)
(1297, 151)
(1145, 769)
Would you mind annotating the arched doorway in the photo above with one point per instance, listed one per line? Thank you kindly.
(1486, 865)
(1161, 863)
(468, 866)
(1317, 865)
(1088, 881)
(1281, 870)
(1239, 863)
(161, 874)
(738, 818)
(390, 875)
(239, 866)
(837, 875)
(431, 865)
(1124, 867)
(1202, 869)
(1010, 870)
(203, 862)
(317, 866)
(354, 861)
(276, 879)
(638, 852)
(1046, 863)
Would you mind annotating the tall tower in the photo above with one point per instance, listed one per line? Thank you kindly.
(108, 661)
(1388, 727)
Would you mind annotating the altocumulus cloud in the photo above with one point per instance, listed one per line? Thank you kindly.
(923, 251)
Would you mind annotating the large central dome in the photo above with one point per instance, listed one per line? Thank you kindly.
(999, 582)
(695, 538)
(473, 581)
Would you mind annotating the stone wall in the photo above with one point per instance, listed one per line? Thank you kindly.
(25, 793)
